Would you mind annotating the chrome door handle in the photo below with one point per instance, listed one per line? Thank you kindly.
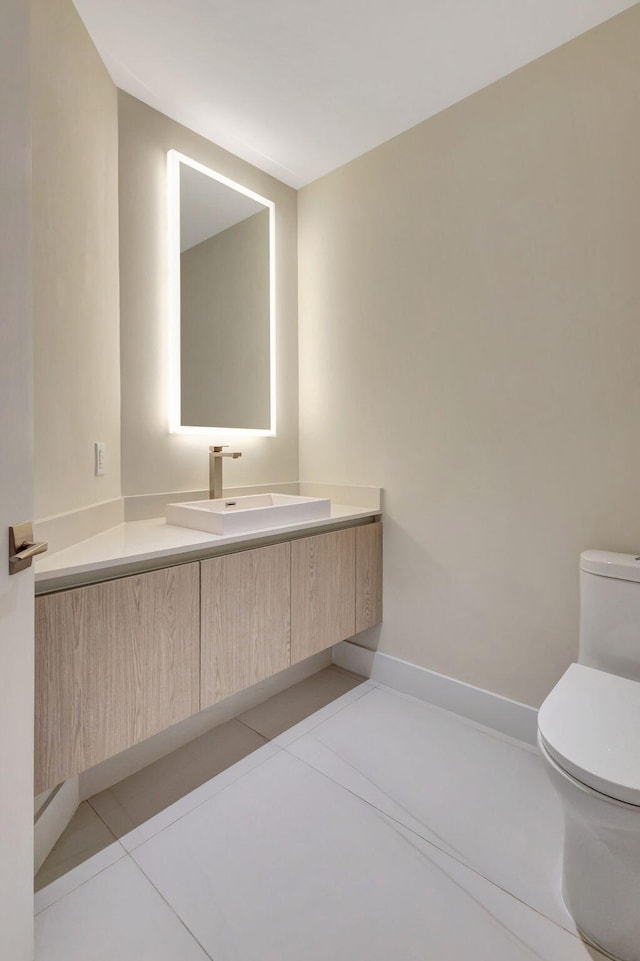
(22, 548)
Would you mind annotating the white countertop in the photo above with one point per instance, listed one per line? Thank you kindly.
(133, 544)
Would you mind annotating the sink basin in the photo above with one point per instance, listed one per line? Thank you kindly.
(253, 512)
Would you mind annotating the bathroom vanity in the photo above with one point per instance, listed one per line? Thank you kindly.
(129, 643)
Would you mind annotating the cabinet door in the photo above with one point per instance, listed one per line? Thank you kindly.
(245, 619)
(115, 663)
(368, 576)
(322, 592)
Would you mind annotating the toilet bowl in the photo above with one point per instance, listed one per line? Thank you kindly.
(597, 777)
(589, 739)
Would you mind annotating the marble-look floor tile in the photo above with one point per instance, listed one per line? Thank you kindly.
(276, 717)
(318, 717)
(89, 868)
(483, 799)
(462, 719)
(85, 836)
(174, 812)
(286, 864)
(137, 799)
(116, 916)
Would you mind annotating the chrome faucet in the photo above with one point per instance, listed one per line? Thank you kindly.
(215, 470)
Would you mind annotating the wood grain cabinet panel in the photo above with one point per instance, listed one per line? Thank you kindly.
(245, 619)
(368, 576)
(322, 592)
(115, 663)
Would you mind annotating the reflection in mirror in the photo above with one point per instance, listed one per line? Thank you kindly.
(222, 303)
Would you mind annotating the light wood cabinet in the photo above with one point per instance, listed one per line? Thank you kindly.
(322, 592)
(368, 576)
(115, 663)
(119, 661)
(245, 620)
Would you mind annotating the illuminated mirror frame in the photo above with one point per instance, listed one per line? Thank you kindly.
(174, 159)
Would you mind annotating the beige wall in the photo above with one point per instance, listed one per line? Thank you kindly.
(153, 459)
(75, 263)
(224, 321)
(469, 340)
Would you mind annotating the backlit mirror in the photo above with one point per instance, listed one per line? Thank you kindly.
(222, 303)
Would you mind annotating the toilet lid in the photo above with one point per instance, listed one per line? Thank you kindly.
(590, 725)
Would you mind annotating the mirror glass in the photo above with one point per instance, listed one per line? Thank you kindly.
(222, 323)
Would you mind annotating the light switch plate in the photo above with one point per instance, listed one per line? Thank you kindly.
(99, 459)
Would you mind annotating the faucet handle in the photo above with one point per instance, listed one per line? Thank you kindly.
(218, 450)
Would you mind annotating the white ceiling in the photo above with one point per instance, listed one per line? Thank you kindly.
(300, 87)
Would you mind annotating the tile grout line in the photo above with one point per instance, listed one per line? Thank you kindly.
(116, 840)
(369, 686)
(128, 856)
(469, 722)
(77, 887)
(100, 818)
(125, 851)
(205, 800)
(476, 900)
(268, 740)
(279, 748)
(323, 720)
(171, 908)
(458, 859)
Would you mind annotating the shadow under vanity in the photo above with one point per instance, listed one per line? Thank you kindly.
(138, 650)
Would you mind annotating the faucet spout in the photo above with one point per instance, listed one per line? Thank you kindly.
(215, 470)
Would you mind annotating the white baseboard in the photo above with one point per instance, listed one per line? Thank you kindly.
(52, 818)
(492, 710)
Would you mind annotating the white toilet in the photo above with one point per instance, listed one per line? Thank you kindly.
(589, 736)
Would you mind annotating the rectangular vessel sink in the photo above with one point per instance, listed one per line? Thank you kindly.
(253, 512)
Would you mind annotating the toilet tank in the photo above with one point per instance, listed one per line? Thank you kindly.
(610, 613)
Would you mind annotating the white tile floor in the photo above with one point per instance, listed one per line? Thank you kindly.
(377, 829)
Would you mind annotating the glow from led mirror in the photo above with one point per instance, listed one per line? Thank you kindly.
(174, 159)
